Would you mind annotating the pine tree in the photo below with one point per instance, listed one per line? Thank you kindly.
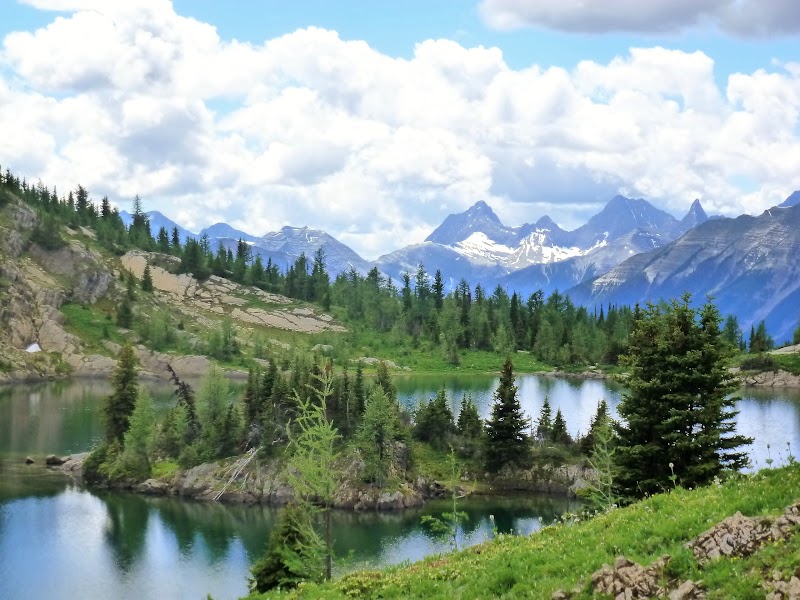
(559, 434)
(470, 427)
(147, 279)
(120, 404)
(434, 422)
(678, 413)
(359, 393)
(506, 442)
(293, 554)
(601, 416)
(544, 424)
(376, 436)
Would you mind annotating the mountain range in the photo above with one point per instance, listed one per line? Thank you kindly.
(629, 252)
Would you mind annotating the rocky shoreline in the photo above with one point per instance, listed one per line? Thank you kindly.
(261, 483)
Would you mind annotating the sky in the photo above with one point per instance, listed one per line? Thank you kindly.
(375, 120)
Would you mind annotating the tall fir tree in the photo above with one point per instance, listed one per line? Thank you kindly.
(120, 404)
(678, 413)
(506, 441)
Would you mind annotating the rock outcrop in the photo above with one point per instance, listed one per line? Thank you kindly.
(740, 536)
(775, 379)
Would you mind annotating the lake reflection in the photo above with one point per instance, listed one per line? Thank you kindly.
(59, 541)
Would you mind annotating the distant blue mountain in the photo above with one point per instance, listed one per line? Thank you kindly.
(157, 221)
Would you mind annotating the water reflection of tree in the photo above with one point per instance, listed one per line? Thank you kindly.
(216, 526)
(126, 531)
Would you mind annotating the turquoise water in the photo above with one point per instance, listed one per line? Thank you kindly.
(59, 541)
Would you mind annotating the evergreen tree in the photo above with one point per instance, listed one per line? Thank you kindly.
(140, 437)
(434, 422)
(506, 442)
(384, 381)
(120, 404)
(559, 434)
(293, 554)
(601, 417)
(677, 410)
(544, 424)
(359, 393)
(147, 279)
(470, 427)
(376, 436)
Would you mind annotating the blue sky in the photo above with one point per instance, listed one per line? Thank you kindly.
(394, 114)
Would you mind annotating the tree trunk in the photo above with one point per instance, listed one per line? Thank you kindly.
(327, 543)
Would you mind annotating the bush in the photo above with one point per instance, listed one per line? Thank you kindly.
(759, 362)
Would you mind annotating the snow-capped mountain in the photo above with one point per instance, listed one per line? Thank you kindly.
(476, 246)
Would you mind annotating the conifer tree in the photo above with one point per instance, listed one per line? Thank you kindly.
(120, 404)
(293, 554)
(678, 413)
(147, 279)
(558, 433)
(434, 422)
(470, 427)
(506, 441)
(359, 394)
(544, 424)
(601, 416)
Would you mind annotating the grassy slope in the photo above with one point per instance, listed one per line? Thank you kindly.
(565, 555)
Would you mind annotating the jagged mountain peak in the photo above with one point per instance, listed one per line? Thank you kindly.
(547, 223)
(693, 218)
(479, 218)
(792, 200)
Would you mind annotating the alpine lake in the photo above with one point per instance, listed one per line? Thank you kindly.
(59, 540)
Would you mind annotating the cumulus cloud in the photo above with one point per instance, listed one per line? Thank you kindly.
(742, 17)
(310, 129)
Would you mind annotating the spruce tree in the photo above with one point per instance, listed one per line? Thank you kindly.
(600, 418)
(558, 433)
(678, 413)
(434, 422)
(147, 279)
(293, 554)
(120, 404)
(506, 441)
(544, 423)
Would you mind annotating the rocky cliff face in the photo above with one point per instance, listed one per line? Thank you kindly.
(34, 283)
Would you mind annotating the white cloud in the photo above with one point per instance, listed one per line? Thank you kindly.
(741, 17)
(310, 129)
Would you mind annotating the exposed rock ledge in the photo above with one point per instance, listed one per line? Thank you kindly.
(775, 379)
(263, 484)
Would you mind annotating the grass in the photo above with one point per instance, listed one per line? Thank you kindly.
(93, 324)
(164, 469)
(788, 362)
(565, 555)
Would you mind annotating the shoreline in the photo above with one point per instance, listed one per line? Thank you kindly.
(262, 484)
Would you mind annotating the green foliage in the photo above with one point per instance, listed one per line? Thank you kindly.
(470, 427)
(796, 335)
(564, 556)
(600, 493)
(760, 340)
(600, 419)
(92, 323)
(312, 466)
(147, 279)
(139, 438)
(506, 441)
(544, 424)
(376, 436)
(788, 362)
(446, 526)
(125, 314)
(759, 363)
(222, 343)
(47, 234)
(220, 422)
(293, 554)
(678, 409)
(434, 422)
(119, 406)
(558, 433)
